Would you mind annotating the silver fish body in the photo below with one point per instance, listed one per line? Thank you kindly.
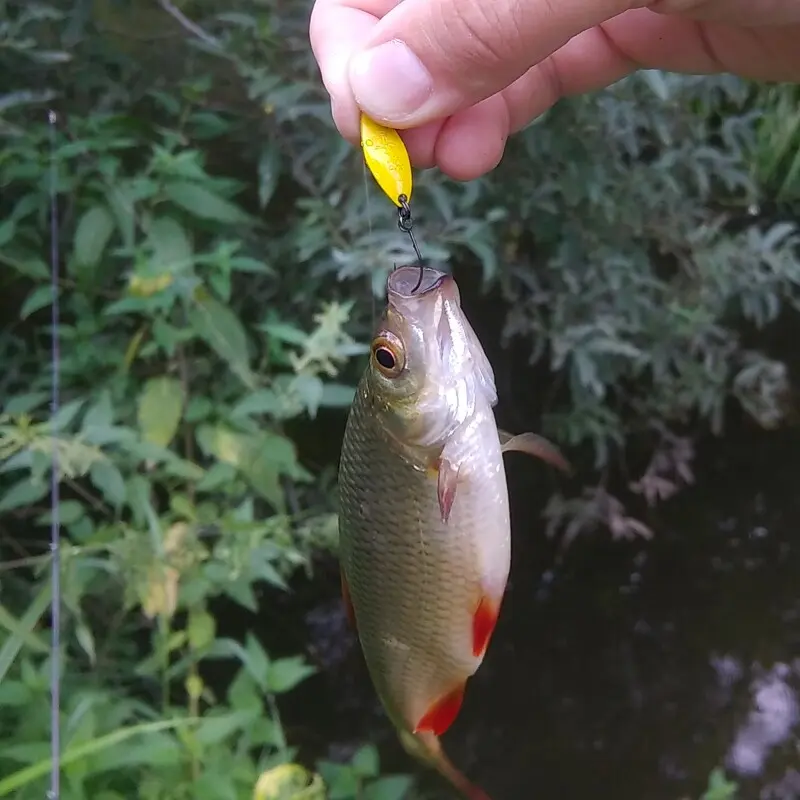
(425, 591)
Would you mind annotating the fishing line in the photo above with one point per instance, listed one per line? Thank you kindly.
(55, 524)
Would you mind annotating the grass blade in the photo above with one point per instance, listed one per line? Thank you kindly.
(22, 630)
(25, 776)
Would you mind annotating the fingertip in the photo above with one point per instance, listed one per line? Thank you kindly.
(336, 31)
(472, 142)
(421, 143)
(346, 117)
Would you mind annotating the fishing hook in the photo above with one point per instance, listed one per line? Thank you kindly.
(405, 223)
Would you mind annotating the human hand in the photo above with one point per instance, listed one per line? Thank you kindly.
(459, 76)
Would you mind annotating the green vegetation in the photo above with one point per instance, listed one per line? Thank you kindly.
(217, 244)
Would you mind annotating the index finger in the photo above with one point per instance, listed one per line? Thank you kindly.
(337, 29)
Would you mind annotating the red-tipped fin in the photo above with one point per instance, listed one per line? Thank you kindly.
(348, 603)
(536, 446)
(446, 486)
(442, 714)
(428, 748)
(483, 625)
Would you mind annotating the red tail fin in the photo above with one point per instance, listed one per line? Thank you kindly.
(436, 756)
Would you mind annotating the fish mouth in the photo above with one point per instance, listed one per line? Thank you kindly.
(403, 280)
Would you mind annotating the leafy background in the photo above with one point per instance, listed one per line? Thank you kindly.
(221, 257)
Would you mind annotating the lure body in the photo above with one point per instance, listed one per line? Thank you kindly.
(387, 159)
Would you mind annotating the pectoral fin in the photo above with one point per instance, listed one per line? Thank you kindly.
(447, 482)
(536, 446)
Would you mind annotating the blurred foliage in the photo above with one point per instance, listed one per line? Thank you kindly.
(217, 242)
(719, 787)
(187, 346)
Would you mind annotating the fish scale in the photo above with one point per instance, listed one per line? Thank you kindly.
(415, 581)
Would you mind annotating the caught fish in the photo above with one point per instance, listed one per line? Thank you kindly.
(424, 525)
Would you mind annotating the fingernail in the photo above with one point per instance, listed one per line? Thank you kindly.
(389, 82)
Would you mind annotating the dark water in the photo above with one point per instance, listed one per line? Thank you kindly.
(620, 670)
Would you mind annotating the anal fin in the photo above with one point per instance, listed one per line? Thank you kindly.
(442, 714)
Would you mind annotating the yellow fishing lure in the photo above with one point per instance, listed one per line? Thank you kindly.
(387, 159)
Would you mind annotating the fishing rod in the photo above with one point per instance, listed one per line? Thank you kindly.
(387, 159)
(55, 524)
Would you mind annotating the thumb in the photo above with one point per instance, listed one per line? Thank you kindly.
(427, 59)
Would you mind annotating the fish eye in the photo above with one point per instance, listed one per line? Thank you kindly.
(388, 356)
(385, 357)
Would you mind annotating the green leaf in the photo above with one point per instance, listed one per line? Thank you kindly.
(285, 673)
(262, 401)
(29, 267)
(63, 418)
(7, 231)
(85, 639)
(159, 411)
(100, 414)
(198, 409)
(245, 264)
(171, 246)
(365, 761)
(243, 594)
(390, 787)
(201, 630)
(14, 643)
(285, 332)
(221, 329)
(108, 480)
(150, 752)
(269, 170)
(40, 297)
(92, 233)
(74, 754)
(201, 202)
(24, 493)
(15, 694)
(309, 389)
(218, 476)
(213, 730)
(24, 403)
(337, 395)
(69, 512)
(18, 628)
(122, 197)
(256, 660)
(261, 458)
(719, 787)
(341, 780)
